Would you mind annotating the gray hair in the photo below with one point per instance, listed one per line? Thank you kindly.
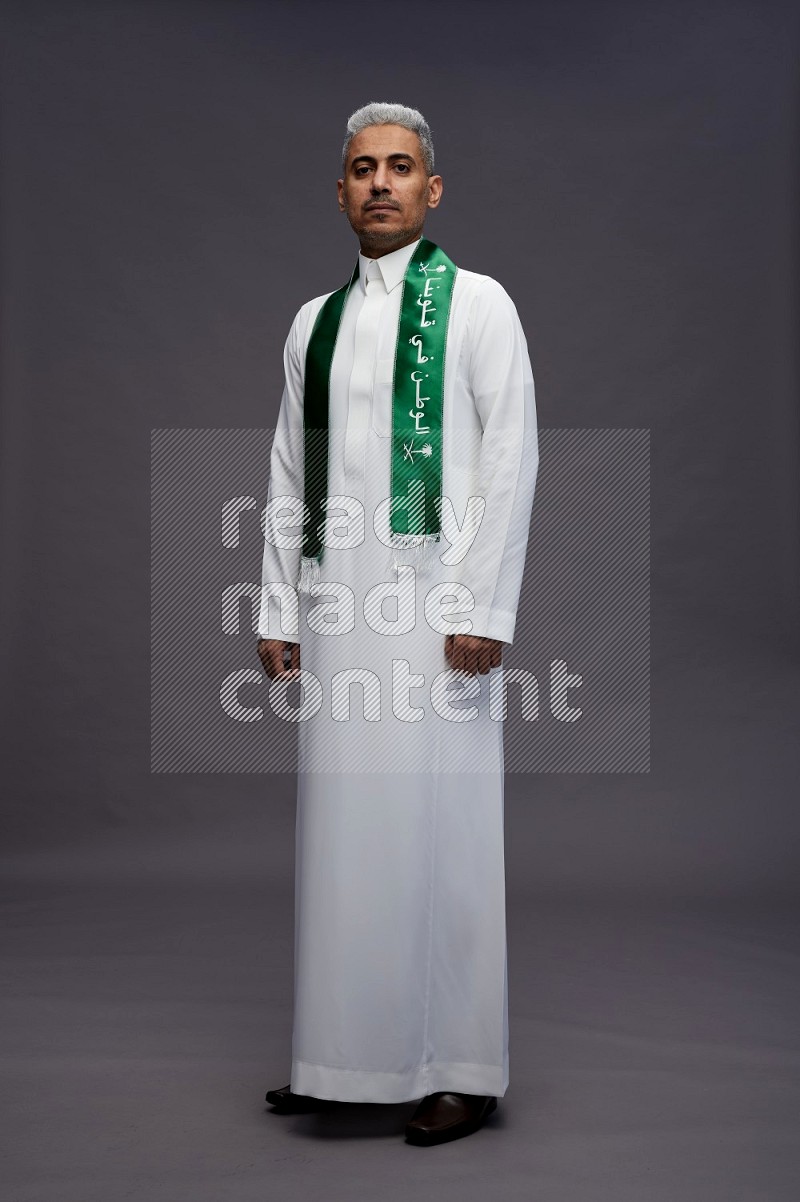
(379, 113)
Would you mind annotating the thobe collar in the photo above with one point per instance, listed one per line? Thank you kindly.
(392, 267)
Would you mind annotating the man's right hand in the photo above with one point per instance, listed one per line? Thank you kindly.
(271, 654)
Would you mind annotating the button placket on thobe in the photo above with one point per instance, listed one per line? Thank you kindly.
(362, 380)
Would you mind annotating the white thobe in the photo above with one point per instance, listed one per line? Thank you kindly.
(400, 939)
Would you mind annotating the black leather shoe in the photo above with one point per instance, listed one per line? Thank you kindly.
(444, 1116)
(295, 1103)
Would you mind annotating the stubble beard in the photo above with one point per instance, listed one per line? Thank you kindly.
(385, 237)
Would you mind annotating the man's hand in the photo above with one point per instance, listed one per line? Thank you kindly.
(271, 653)
(472, 654)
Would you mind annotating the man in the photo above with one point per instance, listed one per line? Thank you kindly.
(402, 479)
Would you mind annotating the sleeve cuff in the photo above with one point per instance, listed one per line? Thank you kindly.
(276, 620)
(491, 623)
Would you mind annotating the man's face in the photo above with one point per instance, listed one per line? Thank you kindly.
(385, 191)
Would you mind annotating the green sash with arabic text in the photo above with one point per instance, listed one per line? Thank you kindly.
(417, 407)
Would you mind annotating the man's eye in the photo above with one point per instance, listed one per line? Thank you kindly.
(402, 167)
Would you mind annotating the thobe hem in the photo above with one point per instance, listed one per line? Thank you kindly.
(362, 1085)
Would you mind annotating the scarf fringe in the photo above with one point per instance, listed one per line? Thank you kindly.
(309, 574)
(413, 550)
(417, 551)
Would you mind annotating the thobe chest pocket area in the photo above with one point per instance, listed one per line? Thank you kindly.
(382, 398)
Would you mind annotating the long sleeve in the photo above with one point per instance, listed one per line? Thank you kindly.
(502, 385)
(284, 524)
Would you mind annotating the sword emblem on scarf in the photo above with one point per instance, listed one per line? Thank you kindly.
(410, 450)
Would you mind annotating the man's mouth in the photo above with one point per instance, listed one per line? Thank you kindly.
(382, 208)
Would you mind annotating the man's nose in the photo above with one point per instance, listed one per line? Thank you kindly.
(381, 181)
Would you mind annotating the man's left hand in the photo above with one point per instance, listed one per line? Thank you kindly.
(472, 654)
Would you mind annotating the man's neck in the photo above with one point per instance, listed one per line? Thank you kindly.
(377, 252)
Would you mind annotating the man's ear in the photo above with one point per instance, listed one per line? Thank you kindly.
(340, 193)
(435, 187)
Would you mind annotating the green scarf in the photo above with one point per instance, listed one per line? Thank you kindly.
(417, 405)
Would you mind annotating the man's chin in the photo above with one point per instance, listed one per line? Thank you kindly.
(383, 236)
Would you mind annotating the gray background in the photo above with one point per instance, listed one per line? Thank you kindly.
(629, 172)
